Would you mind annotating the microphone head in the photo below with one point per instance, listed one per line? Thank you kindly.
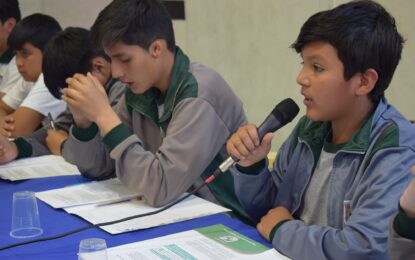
(285, 111)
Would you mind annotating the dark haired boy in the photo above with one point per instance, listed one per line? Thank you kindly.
(9, 16)
(24, 106)
(78, 57)
(337, 179)
(169, 131)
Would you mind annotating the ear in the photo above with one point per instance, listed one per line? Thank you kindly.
(9, 24)
(368, 81)
(156, 48)
(98, 64)
(101, 69)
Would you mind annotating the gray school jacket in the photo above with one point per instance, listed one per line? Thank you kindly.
(371, 171)
(35, 144)
(164, 144)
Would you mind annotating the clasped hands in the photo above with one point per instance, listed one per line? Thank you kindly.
(86, 99)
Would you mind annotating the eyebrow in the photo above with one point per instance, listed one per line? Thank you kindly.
(117, 55)
(315, 57)
(21, 50)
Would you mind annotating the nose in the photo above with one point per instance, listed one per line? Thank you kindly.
(116, 70)
(19, 61)
(302, 78)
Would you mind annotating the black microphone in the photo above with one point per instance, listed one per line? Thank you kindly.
(283, 113)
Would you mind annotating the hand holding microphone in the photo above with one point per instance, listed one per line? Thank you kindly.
(245, 146)
(250, 145)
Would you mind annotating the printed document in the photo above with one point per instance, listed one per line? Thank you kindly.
(210, 243)
(37, 167)
(107, 191)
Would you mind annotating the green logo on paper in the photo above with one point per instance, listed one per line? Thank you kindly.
(232, 239)
(228, 239)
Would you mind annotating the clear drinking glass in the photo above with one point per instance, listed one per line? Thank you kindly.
(25, 215)
(92, 248)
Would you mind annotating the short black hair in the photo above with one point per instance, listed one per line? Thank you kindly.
(67, 53)
(133, 22)
(36, 29)
(364, 35)
(9, 9)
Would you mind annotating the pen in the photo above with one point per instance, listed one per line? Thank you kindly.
(51, 123)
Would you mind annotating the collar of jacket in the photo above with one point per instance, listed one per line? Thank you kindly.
(6, 57)
(146, 103)
(314, 133)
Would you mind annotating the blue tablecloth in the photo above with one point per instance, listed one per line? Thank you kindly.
(55, 221)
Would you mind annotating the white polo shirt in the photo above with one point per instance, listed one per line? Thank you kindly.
(40, 100)
(9, 76)
(15, 96)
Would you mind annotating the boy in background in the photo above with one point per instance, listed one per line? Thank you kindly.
(9, 17)
(22, 109)
(67, 53)
(337, 179)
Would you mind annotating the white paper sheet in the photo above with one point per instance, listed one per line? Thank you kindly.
(87, 193)
(195, 245)
(37, 167)
(190, 208)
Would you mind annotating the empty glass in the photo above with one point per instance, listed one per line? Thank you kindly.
(92, 248)
(25, 215)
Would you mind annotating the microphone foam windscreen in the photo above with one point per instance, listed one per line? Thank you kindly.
(286, 110)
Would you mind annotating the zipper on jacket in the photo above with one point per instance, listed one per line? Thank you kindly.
(300, 141)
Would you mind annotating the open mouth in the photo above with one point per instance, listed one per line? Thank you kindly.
(307, 99)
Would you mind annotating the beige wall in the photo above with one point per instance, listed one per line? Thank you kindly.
(247, 41)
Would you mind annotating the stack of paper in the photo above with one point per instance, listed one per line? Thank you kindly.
(97, 192)
(104, 201)
(192, 207)
(37, 167)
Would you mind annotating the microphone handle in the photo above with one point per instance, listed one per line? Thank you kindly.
(228, 163)
(271, 124)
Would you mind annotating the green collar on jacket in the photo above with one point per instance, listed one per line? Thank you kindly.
(6, 57)
(315, 133)
(182, 85)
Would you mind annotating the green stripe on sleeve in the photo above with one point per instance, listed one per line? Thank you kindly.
(85, 134)
(116, 136)
(404, 225)
(24, 148)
